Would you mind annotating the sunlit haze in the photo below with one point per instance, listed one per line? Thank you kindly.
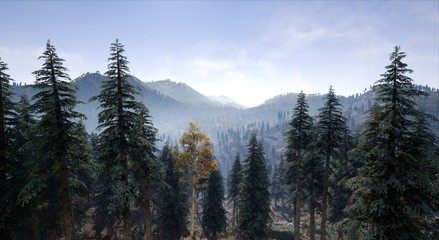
(248, 51)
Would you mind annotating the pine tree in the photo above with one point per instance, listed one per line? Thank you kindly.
(25, 223)
(313, 175)
(254, 197)
(277, 190)
(233, 182)
(331, 131)
(214, 220)
(344, 168)
(7, 161)
(394, 193)
(173, 208)
(55, 170)
(297, 138)
(127, 146)
(145, 166)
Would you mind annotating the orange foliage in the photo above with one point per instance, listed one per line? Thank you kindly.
(196, 156)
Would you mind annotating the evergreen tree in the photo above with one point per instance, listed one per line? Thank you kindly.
(344, 168)
(254, 197)
(214, 220)
(173, 208)
(331, 132)
(277, 182)
(25, 223)
(55, 170)
(127, 145)
(7, 161)
(297, 138)
(313, 175)
(395, 195)
(233, 182)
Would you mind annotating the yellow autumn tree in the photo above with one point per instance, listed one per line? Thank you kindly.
(195, 159)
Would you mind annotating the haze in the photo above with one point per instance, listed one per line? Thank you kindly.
(248, 51)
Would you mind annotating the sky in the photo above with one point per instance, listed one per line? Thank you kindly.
(249, 51)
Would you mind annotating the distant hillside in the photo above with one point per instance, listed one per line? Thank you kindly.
(169, 114)
(179, 91)
(224, 100)
(172, 105)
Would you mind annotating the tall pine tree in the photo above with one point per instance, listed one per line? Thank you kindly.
(214, 220)
(7, 161)
(254, 197)
(394, 193)
(331, 127)
(297, 138)
(25, 220)
(313, 175)
(55, 171)
(277, 183)
(233, 182)
(173, 207)
(127, 144)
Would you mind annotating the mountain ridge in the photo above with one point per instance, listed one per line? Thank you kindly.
(227, 126)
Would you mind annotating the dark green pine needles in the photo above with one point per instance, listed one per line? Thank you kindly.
(173, 204)
(7, 168)
(214, 220)
(254, 197)
(395, 194)
(331, 127)
(298, 138)
(233, 182)
(126, 147)
(55, 171)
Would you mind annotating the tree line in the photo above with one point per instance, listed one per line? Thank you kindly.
(58, 181)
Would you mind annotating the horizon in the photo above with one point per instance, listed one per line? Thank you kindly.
(247, 51)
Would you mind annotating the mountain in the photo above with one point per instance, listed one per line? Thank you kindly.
(170, 113)
(224, 100)
(172, 105)
(179, 91)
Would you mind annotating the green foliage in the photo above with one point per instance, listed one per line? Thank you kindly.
(254, 197)
(277, 183)
(234, 179)
(233, 182)
(9, 167)
(331, 130)
(345, 167)
(55, 169)
(126, 145)
(214, 220)
(298, 138)
(173, 204)
(395, 194)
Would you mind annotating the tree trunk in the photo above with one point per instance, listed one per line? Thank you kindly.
(192, 214)
(312, 217)
(69, 230)
(297, 218)
(295, 213)
(233, 214)
(147, 211)
(325, 198)
(126, 220)
(298, 198)
(52, 233)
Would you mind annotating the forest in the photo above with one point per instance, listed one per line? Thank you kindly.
(318, 171)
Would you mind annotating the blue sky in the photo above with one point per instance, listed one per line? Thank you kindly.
(247, 50)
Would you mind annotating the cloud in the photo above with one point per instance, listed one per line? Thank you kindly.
(23, 61)
(204, 67)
